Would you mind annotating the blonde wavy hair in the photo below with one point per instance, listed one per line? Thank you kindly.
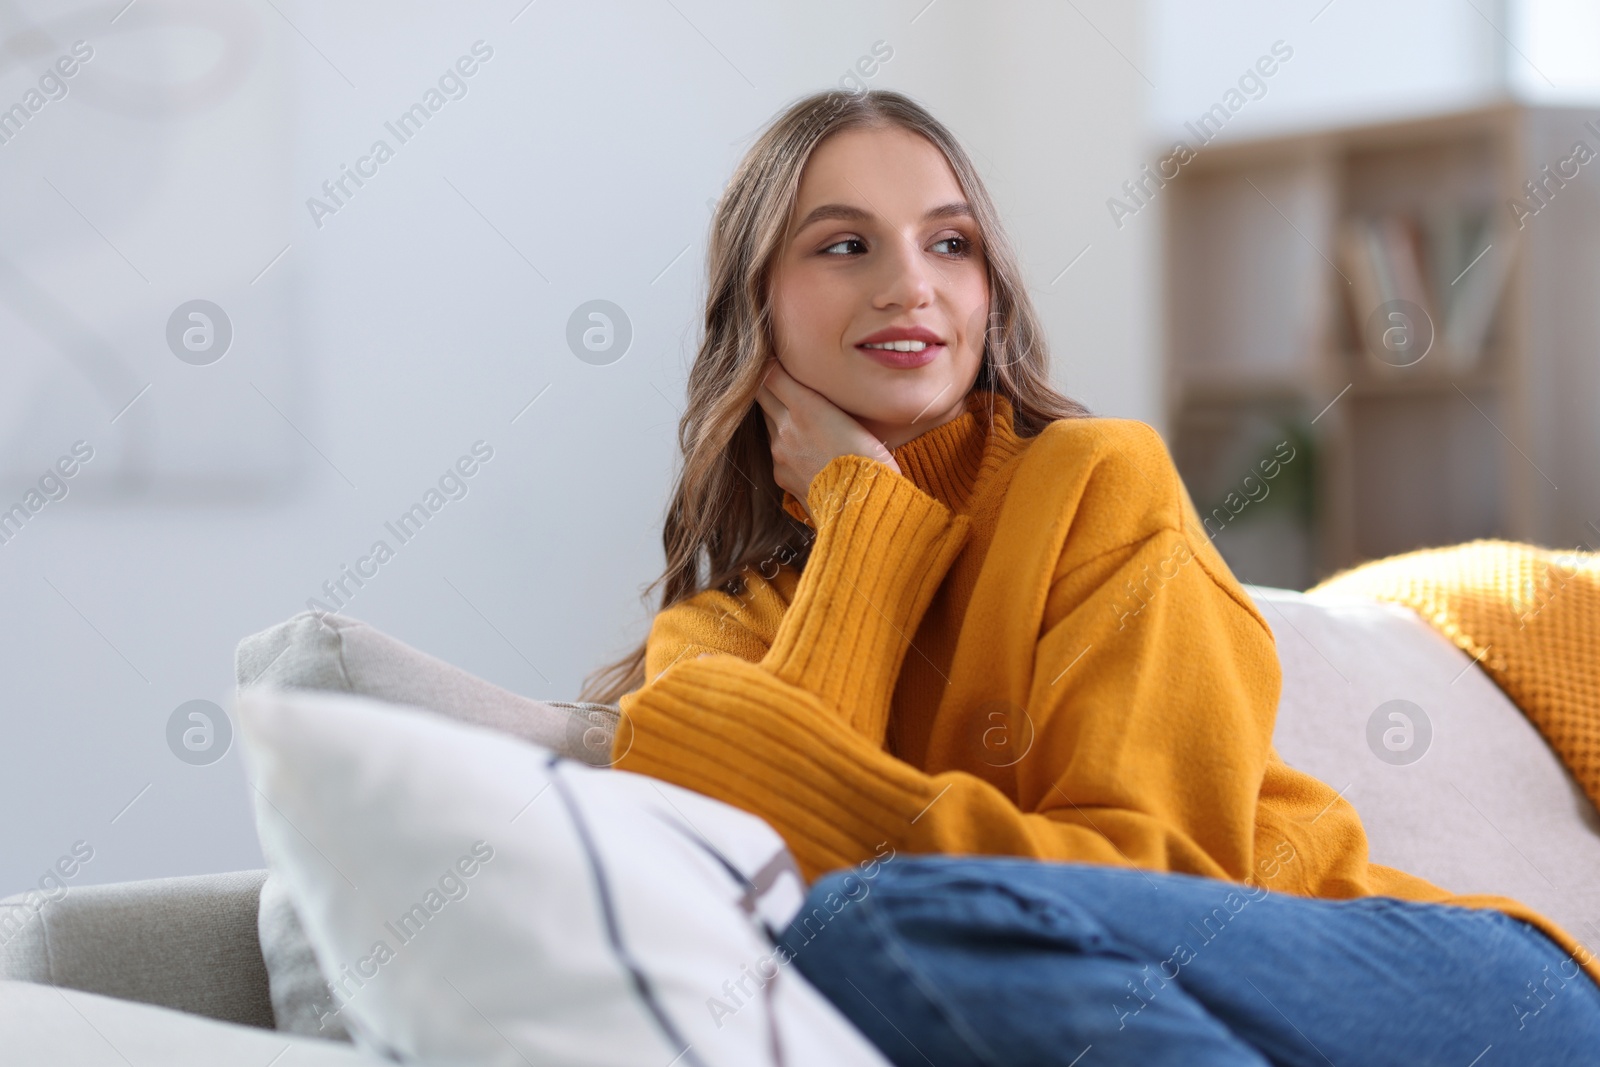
(726, 512)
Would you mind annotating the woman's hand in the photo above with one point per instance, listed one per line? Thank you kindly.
(807, 430)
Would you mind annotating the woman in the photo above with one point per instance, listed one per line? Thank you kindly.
(920, 609)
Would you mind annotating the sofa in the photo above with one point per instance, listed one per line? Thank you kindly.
(1452, 782)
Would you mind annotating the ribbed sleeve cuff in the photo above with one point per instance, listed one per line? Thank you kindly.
(796, 510)
(882, 548)
(725, 727)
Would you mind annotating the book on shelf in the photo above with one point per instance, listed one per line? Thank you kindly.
(1445, 260)
(1481, 261)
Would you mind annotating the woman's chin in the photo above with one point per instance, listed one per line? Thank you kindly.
(900, 418)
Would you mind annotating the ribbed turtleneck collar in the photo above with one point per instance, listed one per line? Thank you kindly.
(948, 461)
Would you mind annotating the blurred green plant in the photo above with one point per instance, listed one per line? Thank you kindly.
(1275, 471)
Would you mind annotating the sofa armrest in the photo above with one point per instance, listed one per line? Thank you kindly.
(185, 943)
(40, 1025)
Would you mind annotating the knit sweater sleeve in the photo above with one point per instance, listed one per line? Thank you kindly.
(883, 546)
(841, 632)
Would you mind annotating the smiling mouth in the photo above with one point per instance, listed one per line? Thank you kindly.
(903, 354)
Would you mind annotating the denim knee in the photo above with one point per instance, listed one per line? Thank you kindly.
(953, 900)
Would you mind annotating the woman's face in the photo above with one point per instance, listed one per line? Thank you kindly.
(882, 247)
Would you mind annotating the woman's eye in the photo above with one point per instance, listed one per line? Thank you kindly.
(963, 245)
(841, 244)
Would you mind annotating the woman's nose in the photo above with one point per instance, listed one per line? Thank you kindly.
(908, 279)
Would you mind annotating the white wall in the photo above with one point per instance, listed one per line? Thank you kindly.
(1368, 60)
(1554, 50)
(1354, 60)
(423, 317)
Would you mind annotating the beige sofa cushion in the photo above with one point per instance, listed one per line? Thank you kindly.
(1483, 805)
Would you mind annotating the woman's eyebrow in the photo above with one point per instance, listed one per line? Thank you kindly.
(850, 213)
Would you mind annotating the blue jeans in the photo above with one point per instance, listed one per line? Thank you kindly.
(948, 961)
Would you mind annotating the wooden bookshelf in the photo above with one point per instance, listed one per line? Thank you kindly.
(1269, 337)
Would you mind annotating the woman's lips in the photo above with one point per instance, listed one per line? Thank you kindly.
(902, 360)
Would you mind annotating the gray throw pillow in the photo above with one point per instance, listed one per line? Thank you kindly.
(335, 652)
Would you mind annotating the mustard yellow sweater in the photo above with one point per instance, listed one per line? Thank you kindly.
(1023, 647)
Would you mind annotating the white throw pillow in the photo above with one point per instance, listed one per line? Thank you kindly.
(316, 650)
(478, 899)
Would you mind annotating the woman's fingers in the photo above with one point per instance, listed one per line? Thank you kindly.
(769, 400)
(770, 409)
(785, 387)
(774, 372)
(774, 369)
(806, 430)
(799, 408)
